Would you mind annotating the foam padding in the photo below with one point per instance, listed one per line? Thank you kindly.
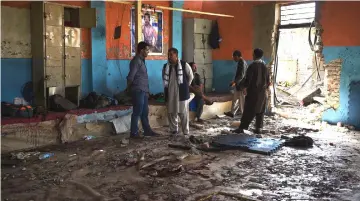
(248, 143)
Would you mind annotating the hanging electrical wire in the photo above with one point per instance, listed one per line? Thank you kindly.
(312, 46)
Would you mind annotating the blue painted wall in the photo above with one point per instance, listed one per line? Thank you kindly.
(98, 49)
(177, 19)
(117, 71)
(224, 72)
(16, 72)
(350, 72)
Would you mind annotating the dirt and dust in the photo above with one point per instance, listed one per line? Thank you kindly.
(112, 168)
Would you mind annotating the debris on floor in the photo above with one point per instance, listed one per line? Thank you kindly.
(195, 167)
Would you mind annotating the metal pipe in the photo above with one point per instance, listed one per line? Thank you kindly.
(176, 9)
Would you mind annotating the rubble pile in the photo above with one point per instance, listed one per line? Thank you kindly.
(187, 168)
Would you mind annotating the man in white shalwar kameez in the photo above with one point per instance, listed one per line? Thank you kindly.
(177, 77)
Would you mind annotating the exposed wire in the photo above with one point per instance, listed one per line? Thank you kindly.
(312, 46)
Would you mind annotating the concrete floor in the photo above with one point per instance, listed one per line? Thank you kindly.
(116, 170)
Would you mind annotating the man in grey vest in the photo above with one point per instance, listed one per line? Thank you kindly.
(177, 77)
(238, 97)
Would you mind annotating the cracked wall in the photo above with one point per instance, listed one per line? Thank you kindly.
(341, 41)
(16, 48)
(332, 83)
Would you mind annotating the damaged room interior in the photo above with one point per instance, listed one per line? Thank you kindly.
(180, 100)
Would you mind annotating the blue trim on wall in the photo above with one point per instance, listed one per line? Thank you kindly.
(86, 83)
(350, 72)
(354, 104)
(224, 72)
(98, 49)
(16, 72)
(177, 26)
(118, 70)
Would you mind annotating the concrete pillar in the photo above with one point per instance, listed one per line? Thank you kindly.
(177, 26)
(98, 49)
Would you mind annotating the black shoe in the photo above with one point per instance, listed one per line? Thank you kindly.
(200, 121)
(229, 114)
(151, 134)
(257, 131)
(136, 136)
(174, 132)
(238, 130)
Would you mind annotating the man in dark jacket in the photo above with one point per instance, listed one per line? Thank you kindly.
(238, 98)
(256, 83)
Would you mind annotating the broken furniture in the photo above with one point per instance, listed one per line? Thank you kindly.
(56, 49)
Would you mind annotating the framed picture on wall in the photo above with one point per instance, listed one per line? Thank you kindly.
(152, 30)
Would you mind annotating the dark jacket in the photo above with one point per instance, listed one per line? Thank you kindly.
(240, 74)
(214, 37)
(184, 93)
(138, 74)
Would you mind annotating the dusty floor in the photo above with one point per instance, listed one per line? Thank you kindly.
(111, 167)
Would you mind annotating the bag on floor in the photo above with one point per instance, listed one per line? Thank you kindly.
(12, 110)
(95, 101)
(60, 104)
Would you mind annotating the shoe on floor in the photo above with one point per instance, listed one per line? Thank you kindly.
(257, 131)
(229, 114)
(200, 121)
(238, 131)
(151, 134)
(136, 136)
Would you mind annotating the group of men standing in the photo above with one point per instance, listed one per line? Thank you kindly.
(180, 80)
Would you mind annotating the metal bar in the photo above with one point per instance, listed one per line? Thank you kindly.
(283, 15)
(294, 19)
(176, 9)
(193, 11)
(292, 26)
(138, 31)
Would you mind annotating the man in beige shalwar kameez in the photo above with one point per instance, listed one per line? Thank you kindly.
(177, 77)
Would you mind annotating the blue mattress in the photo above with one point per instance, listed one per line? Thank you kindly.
(248, 143)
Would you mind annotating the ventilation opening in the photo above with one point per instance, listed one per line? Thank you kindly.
(300, 13)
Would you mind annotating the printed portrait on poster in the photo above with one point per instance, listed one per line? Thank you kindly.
(152, 30)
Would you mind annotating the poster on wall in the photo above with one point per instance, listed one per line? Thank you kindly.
(152, 30)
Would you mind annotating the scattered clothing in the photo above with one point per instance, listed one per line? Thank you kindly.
(301, 141)
(214, 36)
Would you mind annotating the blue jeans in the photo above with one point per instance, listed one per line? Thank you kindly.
(140, 110)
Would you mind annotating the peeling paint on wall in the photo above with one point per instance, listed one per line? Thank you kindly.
(15, 33)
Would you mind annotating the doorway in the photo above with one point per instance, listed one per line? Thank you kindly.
(296, 58)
